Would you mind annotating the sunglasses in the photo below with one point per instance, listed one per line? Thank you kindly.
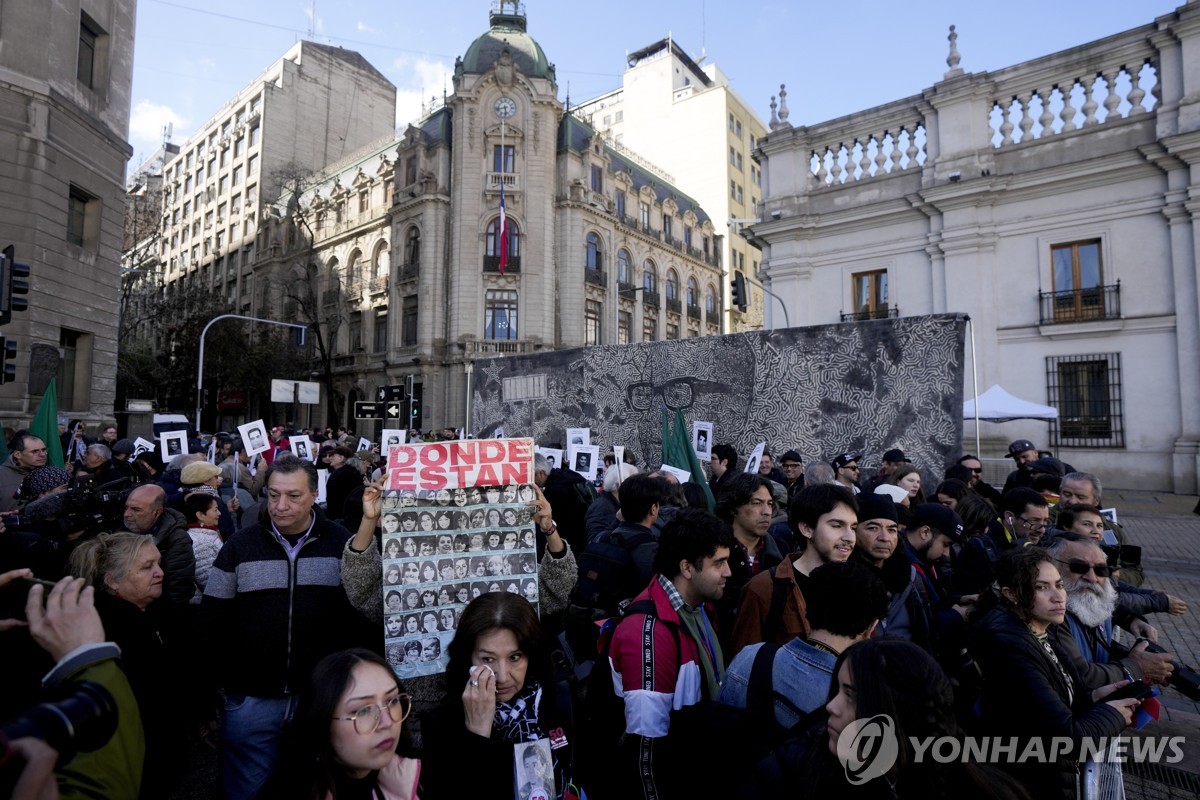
(1083, 568)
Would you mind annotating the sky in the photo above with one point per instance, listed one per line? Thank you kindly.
(192, 56)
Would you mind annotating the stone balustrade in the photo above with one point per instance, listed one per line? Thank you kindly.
(873, 144)
(1109, 80)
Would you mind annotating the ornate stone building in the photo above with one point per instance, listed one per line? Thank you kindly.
(65, 74)
(1052, 201)
(402, 244)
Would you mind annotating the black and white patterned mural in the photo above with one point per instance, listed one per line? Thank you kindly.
(824, 390)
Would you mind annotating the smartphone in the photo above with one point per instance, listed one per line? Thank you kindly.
(14, 595)
(1135, 689)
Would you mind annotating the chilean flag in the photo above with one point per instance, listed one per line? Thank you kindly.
(503, 233)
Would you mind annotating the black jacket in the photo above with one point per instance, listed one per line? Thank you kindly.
(1025, 696)
(267, 620)
(178, 559)
(566, 491)
(342, 481)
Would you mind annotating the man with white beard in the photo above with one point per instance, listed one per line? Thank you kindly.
(1091, 602)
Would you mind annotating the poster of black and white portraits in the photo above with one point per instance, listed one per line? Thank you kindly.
(457, 523)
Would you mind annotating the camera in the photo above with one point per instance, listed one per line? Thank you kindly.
(1185, 679)
(90, 508)
(83, 719)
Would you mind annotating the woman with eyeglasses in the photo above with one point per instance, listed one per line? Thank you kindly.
(350, 736)
(1031, 685)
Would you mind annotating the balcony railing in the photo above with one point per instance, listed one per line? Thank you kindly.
(492, 264)
(1081, 305)
(650, 298)
(509, 180)
(693, 312)
(674, 304)
(379, 285)
(493, 346)
(629, 221)
(408, 272)
(883, 312)
(624, 287)
(596, 277)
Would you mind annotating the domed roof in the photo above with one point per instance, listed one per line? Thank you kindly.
(507, 32)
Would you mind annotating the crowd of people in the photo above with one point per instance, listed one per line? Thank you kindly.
(677, 649)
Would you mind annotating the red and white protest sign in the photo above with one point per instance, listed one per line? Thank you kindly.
(460, 464)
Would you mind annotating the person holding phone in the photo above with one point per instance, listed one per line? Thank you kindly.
(1031, 687)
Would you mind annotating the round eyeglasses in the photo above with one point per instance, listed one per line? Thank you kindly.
(366, 719)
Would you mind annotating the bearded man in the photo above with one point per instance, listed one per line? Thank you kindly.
(1091, 603)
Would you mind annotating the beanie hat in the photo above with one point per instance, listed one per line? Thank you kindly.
(876, 506)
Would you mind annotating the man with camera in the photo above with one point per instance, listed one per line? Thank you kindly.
(98, 717)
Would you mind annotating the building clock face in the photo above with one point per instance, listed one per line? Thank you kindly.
(505, 107)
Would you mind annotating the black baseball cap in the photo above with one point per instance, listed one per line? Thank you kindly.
(896, 456)
(791, 455)
(939, 517)
(844, 459)
(1020, 446)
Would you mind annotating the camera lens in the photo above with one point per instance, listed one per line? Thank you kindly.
(80, 722)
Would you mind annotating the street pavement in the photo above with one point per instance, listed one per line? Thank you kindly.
(1169, 535)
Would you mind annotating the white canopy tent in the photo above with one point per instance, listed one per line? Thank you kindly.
(997, 405)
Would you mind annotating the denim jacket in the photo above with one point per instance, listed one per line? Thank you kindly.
(801, 673)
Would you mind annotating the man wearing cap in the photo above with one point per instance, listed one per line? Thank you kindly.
(792, 466)
(936, 623)
(1023, 453)
(845, 471)
(892, 460)
(878, 540)
(146, 512)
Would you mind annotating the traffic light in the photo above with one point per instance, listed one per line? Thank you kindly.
(13, 285)
(8, 359)
(738, 295)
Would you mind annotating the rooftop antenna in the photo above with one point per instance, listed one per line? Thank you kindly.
(703, 32)
(312, 17)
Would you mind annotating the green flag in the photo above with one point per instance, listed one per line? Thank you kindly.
(677, 451)
(45, 425)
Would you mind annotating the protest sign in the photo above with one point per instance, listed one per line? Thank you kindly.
(254, 437)
(702, 440)
(174, 443)
(755, 457)
(456, 524)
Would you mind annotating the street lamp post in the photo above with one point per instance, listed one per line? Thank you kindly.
(200, 367)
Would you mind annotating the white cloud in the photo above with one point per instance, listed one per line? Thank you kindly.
(417, 80)
(365, 28)
(148, 118)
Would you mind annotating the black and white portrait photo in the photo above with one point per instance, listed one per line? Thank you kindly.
(173, 443)
(702, 433)
(254, 437)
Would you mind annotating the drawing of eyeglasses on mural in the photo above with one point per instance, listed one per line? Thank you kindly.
(675, 393)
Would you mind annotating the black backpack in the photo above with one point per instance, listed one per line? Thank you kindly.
(607, 578)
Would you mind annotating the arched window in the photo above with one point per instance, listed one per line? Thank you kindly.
(693, 292)
(623, 268)
(672, 284)
(334, 279)
(710, 300)
(412, 247)
(352, 267)
(491, 261)
(649, 276)
(380, 260)
(593, 252)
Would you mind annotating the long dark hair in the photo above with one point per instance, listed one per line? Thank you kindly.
(314, 771)
(898, 678)
(500, 611)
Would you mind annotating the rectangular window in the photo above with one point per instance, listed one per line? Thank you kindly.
(380, 330)
(86, 69)
(648, 329)
(667, 225)
(731, 122)
(870, 294)
(619, 116)
(255, 132)
(607, 120)
(672, 330)
(500, 315)
(364, 201)
(1078, 281)
(237, 176)
(74, 369)
(644, 212)
(592, 311)
(687, 235)
(1086, 390)
(737, 131)
(619, 198)
(739, 161)
(222, 187)
(732, 153)
(239, 144)
(408, 321)
(355, 331)
(597, 178)
(410, 170)
(503, 158)
(77, 203)
(624, 327)
(252, 166)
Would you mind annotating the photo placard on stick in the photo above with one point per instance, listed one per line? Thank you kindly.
(553, 455)
(363, 444)
(578, 436)
(457, 523)
(619, 453)
(702, 433)
(390, 438)
(140, 446)
(322, 479)
(302, 448)
(174, 443)
(755, 456)
(682, 475)
(584, 459)
(254, 437)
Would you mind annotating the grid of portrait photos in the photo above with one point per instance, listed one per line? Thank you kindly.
(442, 549)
